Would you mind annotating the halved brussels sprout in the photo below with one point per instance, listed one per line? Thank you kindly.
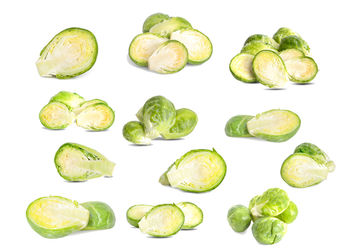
(292, 53)
(301, 70)
(282, 33)
(296, 43)
(170, 57)
(237, 126)
(76, 162)
(72, 100)
(262, 38)
(193, 215)
(167, 26)
(256, 46)
(269, 69)
(84, 105)
(162, 221)
(56, 115)
(275, 125)
(290, 214)
(136, 213)
(153, 20)
(142, 47)
(269, 230)
(198, 45)
(96, 117)
(135, 132)
(70, 53)
(196, 171)
(239, 218)
(241, 67)
(101, 215)
(55, 217)
(186, 121)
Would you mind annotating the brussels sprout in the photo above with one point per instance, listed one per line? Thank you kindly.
(142, 47)
(166, 27)
(196, 171)
(162, 221)
(269, 230)
(282, 33)
(301, 70)
(135, 132)
(96, 117)
(275, 125)
(136, 213)
(70, 53)
(262, 38)
(241, 67)
(193, 215)
(255, 46)
(237, 126)
(56, 115)
(269, 69)
(293, 53)
(198, 45)
(84, 105)
(76, 162)
(239, 218)
(186, 121)
(101, 215)
(153, 20)
(296, 43)
(290, 214)
(170, 57)
(72, 100)
(55, 217)
(139, 114)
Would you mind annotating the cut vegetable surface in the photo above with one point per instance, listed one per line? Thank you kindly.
(241, 67)
(256, 46)
(166, 27)
(237, 126)
(301, 70)
(136, 213)
(289, 54)
(56, 115)
(193, 215)
(85, 104)
(101, 215)
(96, 117)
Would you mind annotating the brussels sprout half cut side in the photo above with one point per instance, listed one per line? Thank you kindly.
(96, 117)
(275, 125)
(241, 67)
(153, 20)
(166, 27)
(269, 230)
(269, 69)
(136, 213)
(289, 54)
(237, 126)
(70, 53)
(55, 217)
(72, 100)
(301, 70)
(162, 221)
(101, 215)
(193, 215)
(135, 132)
(56, 115)
(256, 46)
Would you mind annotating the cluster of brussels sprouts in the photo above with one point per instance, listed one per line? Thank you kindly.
(307, 166)
(166, 219)
(159, 118)
(65, 107)
(270, 213)
(167, 44)
(55, 217)
(275, 125)
(272, 61)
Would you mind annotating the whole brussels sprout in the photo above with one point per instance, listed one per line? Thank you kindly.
(290, 214)
(153, 20)
(269, 230)
(262, 38)
(239, 218)
(282, 33)
(296, 43)
(135, 132)
(256, 46)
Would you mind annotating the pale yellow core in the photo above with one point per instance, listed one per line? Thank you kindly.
(143, 47)
(301, 69)
(241, 65)
(95, 117)
(291, 54)
(137, 212)
(56, 115)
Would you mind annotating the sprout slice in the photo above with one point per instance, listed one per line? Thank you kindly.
(269, 69)
(135, 132)
(101, 215)
(193, 215)
(96, 117)
(153, 20)
(168, 26)
(136, 213)
(142, 47)
(70, 53)
(55, 217)
(56, 115)
(162, 221)
(301, 70)
(170, 57)
(84, 105)
(198, 45)
(241, 67)
(274, 125)
(291, 54)
(72, 100)
(237, 126)
(256, 46)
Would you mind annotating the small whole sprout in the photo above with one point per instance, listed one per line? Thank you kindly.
(193, 215)
(237, 126)
(96, 117)
(282, 33)
(262, 38)
(135, 132)
(167, 26)
(72, 100)
(294, 42)
(256, 46)
(153, 20)
(136, 213)
(101, 215)
(56, 115)
(241, 67)
(269, 230)
(290, 214)
(239, 218)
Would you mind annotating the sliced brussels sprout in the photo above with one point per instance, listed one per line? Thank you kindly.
(167, 26)
(241, 67)
(282, 33)
(162, 221)
(186, 121)
(153, 20)
(136, 213)
(170, 57)
(70, 53)
(76, 162)
(198, 45)
(55, 217)
(84, 105)
(196, 171)
(296, 43)
(237, 126)
(101, 215)
(269, 69)
(135, 132)
(193, 215)
(269, 230)
(72, 100)
(275, 125)
(142, 47)
(56, 115)
(301, 70)
(239, 218)
(96, 117)
(262, 38)
(289, 54)
(256, 46)
(290, 214)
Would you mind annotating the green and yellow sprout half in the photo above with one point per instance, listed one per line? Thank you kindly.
(167, 44)
(274, 61)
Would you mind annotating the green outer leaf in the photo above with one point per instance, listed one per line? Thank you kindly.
(239, 218)
(294, 42)
(236, 73)
(255, 47)
(134, 132)
(295, 78)
(134, 221)
(70, 116)
(290, 214)
(282, 33)
(237, 126)
(269, 230)
(93, 128)
(154, 19)
(195, 211)
(262, 38)
(72, 100)
(166, 27)
(101, 215)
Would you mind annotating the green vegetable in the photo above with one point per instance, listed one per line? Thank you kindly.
(301, 70)
(241, 67)
(70, 53)
(237, 126)
(72, 100)
(262, 38)
(162, 221)
(136, 213)
(153, 20)
(275, 125)
(55, 217)
(196, 171)
(269, 230)
(75, 162)
(101, 215)
(135, 132)
(96, 117)
(193, 215)
(167, 26)
(56, 115)
(85, 104)
(295, 42)
(239, 218)
(256, 46)
(293, 53)
(282, 33)
(316, 153)
(290, 214)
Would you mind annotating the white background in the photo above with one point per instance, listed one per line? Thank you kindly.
(27, 149)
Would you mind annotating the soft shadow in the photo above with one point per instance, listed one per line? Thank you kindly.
(132, 63)
(73, 182)
(303, 84)
(274, 89)
(96, 130)
(163, 139)
(155, 237)
(139, 145)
